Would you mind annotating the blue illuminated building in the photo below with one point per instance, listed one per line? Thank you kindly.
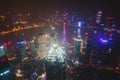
(6, 72)
(102, 46)
(77, 41)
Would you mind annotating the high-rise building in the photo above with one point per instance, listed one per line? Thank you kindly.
(98, 17)
(55, 63)
(6, 72)
(77, 41)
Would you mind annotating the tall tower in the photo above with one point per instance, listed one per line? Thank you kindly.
(64, 26)
(55, 65)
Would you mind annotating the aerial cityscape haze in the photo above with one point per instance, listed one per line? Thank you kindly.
(59, 40)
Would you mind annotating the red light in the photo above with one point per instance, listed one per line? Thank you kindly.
(9, 43)
(3, 59)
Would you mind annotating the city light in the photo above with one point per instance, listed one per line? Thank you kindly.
(4, 73)
(2, 51)
(76, 39)
(78, 30)
(79, 24)
(98, 18)
(55, 54)
(103, 40)
(53, 28)
(42, 77)
(95, 32)
(9, 43)
(67, 40)
(21, 42)
(1, 47)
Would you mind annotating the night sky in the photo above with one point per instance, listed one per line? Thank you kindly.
(109, 7)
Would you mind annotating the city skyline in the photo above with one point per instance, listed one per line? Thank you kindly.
(110, 8)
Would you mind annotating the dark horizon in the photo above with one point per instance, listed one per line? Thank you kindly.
(110, 8)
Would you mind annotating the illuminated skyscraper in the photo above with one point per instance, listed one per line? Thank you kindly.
(98, 18)
(55, 66)
(6, 72)
(77, 41)
(55, 54)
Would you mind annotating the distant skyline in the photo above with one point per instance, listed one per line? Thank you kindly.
(109, 7)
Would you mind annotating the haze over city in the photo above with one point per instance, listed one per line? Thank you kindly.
(59, 40)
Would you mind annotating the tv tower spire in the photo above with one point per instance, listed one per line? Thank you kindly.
(64, 26)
